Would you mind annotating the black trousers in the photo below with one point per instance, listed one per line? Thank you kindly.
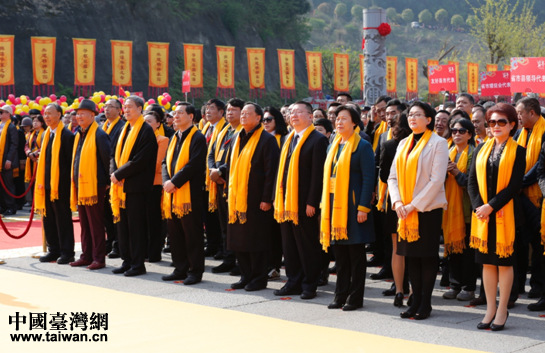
(156, 228)
(213, 230)
(462, 267)
(187, 243)
(351, 264)
(253, 267)
(7, 201)
(132, 231)
(58, 228)
(303, 255)
(111, 228)
(223, 214)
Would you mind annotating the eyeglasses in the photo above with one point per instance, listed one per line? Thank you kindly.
(267, 120)
(500, 122)
(461, 131)
(417, 115)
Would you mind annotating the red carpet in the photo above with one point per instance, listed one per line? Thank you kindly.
(33, 237)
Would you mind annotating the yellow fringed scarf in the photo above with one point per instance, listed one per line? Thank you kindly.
(213, 189)
(178, 202)
(217, 130)
(122, 154)
(379, 131)
(333, 225)
(87, 177)
(3, 137)
(240, 167)
(406, 168)
(28, 168)
(39, 190)
(505, 218)
(454, 226)
(382, 186)
(108, 127)
(533, 192)
(287, 209)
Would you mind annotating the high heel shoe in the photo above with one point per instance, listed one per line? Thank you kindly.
(495, 327)
(485, 325)
(422, 314)
(407, 314)
(398, 300)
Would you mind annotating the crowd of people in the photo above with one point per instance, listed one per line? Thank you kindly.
(259, 188)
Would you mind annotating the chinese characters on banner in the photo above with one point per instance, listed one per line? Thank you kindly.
(158, 67)
(84, 66)
(194, 64)
(256, 71)
(362, 72)
(442, 78)
(43, 65)
(341, 72)
(430, 64)
(186, 81)
(226, 71)
(7, 81)
(473, 78)
(457, 66)
(495, 83)
(314, 72)
(391, 74)
(286, 65)
(491, 67)
(411, 73)
(121, 64)
(528, 75)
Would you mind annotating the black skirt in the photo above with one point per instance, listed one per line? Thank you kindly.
(429, 229)
(491, 258)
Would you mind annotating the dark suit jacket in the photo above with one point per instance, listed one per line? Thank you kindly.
(10, 149)
(65, 162)
(114, 134)
(139, 171)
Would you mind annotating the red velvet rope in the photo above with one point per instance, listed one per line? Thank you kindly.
(26, 191)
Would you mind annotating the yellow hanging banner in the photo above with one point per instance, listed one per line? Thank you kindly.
(362, 72)
(6, 60)
(391, 74)
(286, 65)
(507, 67)
(256, 67)
(226, 67)
(411, 73)
(84, 61)
(491, 67)
(121, 63)
(193, 62)
(314, 70)
(158, 64)
(43, 60)
(457, 66)
(473, 78)
(430, 64)
(341, 64)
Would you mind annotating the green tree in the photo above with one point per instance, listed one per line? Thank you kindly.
(357, 12)
(470, 21)
(340, 10)
(324, 8)
(425, 17)
(407, 15)
(441, 16)
(457, 21)
(391, 14)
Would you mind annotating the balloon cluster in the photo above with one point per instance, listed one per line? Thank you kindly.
(163, 100)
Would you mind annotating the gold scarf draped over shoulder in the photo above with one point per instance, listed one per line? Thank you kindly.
(3, 138)
(379, 131)
(86, 194)
(239, 174)
(178, 202)
(533, 147)
(333, 224)
(382, 186)
(406, 169)
(208, 182)
(39, 190)
(28, 168)
(454, 226)
(109, 128)
(122, 154)
(286, 208)
(505, 217)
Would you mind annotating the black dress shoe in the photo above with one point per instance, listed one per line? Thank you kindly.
(64, 260)
(252, 287)
(223, 267)
(235, 271)
(121, 269)
(218, 255)
(351, 307)
(308, 295)
(539, 306)
(322, 282)
(239, 285)
(407, 314)
(398, 300)
(192, 280)
(154, 259)
(287, 291)
(49, 257)
(382, 274)
(209, 252)
(166, 249)
(477, 301)
(533, 294)
(114, 254)
(390, 292)
(10, 212)
(335, 305)
(484, 325)
(422, 315)
(374, 262)
(332, 269)
(135, 272)
(495, 327)
(175, 276)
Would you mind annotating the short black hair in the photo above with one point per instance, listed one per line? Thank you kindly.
(347, 95)
(334, 104)
(189, 108)
(236, 102)
(480, 108)
(325, 123)
(428, 111)
(354, 115)
(257, 107)
(306, 104)
(384, 99)
(530, 103)
(137, 100)
(155, 115)
(466, 124)
(218, 103)
(158, 109)
(468, 96)
(397, 103)
(57, 107)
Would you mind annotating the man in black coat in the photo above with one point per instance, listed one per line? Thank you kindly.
(250, 239)
(303, 253)
(136, 177)
(186, 232)
(10, 160)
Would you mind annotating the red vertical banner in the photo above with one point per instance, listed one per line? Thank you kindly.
(411, 73)
(158, 68)
(286, 65)
(84, 66)
(256, 71)
(43, 65)
(457, 66)
(430, 64)
(473, 78)
(193, 62)
(362, 72)
(341, 64)
(314, 71)
(186, 81)
(391, 75)
(491, 67)
(121, 64)
(226, 71)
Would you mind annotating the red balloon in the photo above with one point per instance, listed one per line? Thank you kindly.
(63, 99)
(81, 98)
(2, 104)
(151, 101)
(177, 102)
(102, 97)
(17, 100)
(168, 98)
(53, 97)
(11, 97)
(37, 99)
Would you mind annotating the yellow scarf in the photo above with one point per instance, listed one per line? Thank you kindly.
(201, 124)
(278, 140)
(333, 225)
(217, 129)
(240, 167)
(117, 195)
(3, 137)
(454, 226)
(28, 168)
(39, 190)
(406, 168)
(213, 188)
(382, 186)
(160, 130)
(87, 177)
(379, 131)
(288, 209)
(178, 202)
(533, 192)
(108, 127)
(505, 218)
